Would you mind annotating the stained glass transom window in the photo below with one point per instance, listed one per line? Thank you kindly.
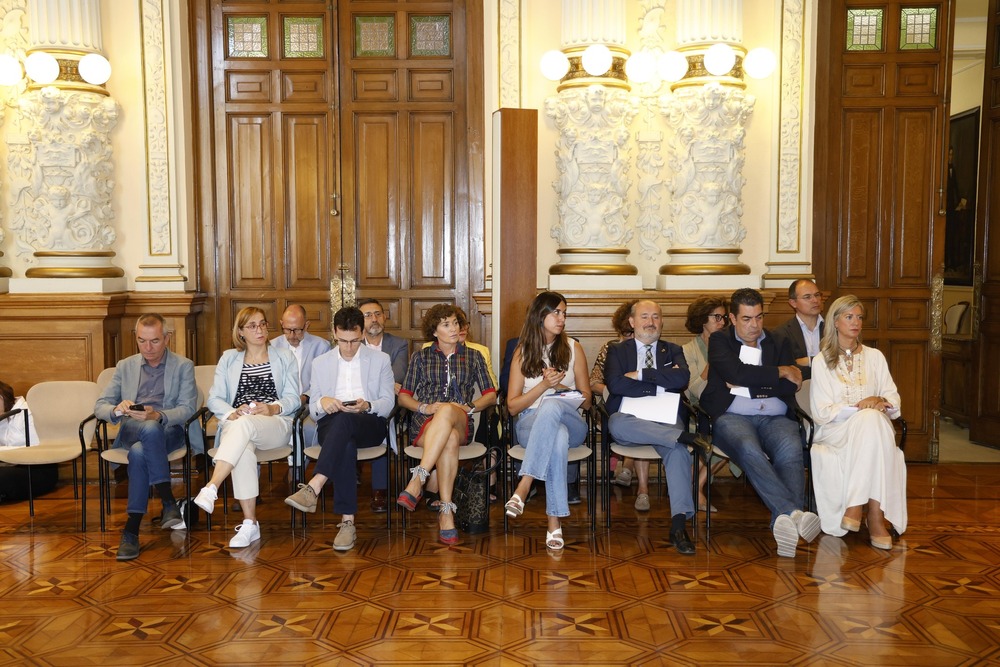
(303, 37)
(246, 36)
(918, 28)
(375, 36)
(864, 29)
(430, 36)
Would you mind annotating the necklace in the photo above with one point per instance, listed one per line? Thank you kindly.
(849, 356)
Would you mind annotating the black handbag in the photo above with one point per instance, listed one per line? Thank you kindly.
(472, 494)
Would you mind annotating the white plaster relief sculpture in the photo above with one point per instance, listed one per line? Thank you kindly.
(154, 76)
(61, 173)
(790, 137)
(13, 41)
(649, 161)
(510, 53)
(706, 156)
(592, 156)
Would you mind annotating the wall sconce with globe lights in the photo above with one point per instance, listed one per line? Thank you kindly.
(686, 67)
(42, 68)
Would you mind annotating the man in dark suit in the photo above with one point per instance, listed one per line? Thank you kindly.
(804, 331)
(750, 396)
(377, 338)
(648, 366)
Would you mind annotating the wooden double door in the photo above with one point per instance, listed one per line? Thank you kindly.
(337, 140)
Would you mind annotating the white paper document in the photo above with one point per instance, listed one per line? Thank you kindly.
(661, 408)
(751, 357)
(572, 397)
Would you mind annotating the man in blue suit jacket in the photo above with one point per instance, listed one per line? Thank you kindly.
(377, 338)
(304, 345)
(658, 368)
(351, 397)
(163, 384)
(756, 425)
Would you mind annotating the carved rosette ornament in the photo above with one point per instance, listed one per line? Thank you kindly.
(705, 157)
(61, 177)
(592, 156)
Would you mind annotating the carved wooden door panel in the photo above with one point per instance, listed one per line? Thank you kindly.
(411, 103)
(881, 117)
(345, 134)
(984, 417)
(269, 77)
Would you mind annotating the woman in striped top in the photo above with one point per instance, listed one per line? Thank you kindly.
(255, 393)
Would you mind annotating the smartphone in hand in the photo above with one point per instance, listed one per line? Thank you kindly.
(349, 402)
(137, 407)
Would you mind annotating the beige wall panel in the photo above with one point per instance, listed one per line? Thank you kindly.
(859, 248)
(377, 144)
(307, 220)
(251, 212)
(913, 198)
(432, 224)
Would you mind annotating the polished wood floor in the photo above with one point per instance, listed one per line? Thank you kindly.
(618, 597)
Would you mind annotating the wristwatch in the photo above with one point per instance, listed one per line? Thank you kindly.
(472, 407)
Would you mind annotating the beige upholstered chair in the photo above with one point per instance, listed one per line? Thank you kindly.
(954, 316)
(63, 415)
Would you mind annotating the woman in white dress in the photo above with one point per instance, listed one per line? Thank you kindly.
(855, 460)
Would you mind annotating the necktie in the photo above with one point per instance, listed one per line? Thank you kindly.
(649, 357)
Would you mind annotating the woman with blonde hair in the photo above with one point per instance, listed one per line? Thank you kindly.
(855, 461)
(255, 393)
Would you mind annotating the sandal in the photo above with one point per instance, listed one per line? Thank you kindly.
(408, 501)
(554, 540)
(448, 536)
(514, 507)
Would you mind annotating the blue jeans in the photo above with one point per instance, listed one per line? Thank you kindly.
(769, 450)
(547, 432)
(148, 443)
(631, 430)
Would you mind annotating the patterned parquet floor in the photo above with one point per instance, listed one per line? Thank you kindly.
(618, 597)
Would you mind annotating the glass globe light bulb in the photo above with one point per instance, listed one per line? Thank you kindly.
(760, 63)
(95, 68)
(672, 66)
(719, 59)
(554, 65)
(10, 70)
(640, 67)
(41, 67)
(597, 59)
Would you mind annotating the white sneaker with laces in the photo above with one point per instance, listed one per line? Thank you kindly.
(786, 535)
(247, 533)
(807, 524)
(206, 498)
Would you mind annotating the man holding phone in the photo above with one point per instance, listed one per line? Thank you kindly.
(150, 397)
(350, 397)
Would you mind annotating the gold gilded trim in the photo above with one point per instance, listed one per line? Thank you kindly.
(937, 311)
(593, 251)
(74, 253)
(704, 270)
(74, 272)
(704, 251)
(5, 272)
(593, 270)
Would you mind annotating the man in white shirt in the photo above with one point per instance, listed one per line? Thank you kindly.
(351, 396)
(304, 345)
(804, 331)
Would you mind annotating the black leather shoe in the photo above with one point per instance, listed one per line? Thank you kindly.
(679, 538)
(573, 493)
(128, 548)
(171, 517)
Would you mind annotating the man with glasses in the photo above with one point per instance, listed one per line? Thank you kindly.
(804, 331)
(150, 396)
(351, 396)
(377, 338)
(302, 344)
(750, 396)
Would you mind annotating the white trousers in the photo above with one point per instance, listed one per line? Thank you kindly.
(239, 441)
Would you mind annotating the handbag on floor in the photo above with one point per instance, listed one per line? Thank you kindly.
(472, 494)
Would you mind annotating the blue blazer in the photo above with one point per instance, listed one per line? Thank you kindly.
(312, 346)
(623, 358)
(180, 393)
(284, 370)
(763, 381)
(376, 379)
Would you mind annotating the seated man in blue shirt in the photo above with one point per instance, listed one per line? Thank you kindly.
(151, 395)
(752, 380)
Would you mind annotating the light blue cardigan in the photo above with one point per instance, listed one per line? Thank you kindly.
(284, 370)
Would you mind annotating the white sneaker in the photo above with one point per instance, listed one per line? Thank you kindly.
(786, 534)
(807, 524)
(247, 533)
(206, 498)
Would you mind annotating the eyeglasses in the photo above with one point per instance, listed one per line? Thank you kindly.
(254, 326)
(356, 341)
(716, 316)
(371, 314)
(294, 332)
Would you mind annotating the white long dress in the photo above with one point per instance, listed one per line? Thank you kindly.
(855, 457)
